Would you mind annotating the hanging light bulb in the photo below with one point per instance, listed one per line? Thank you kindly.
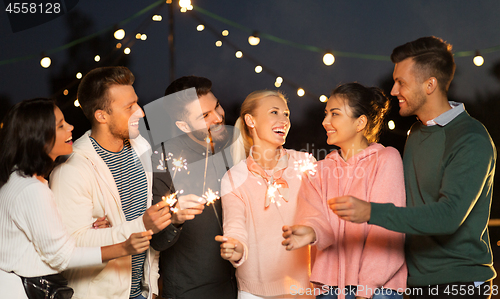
(254, 39)
(279, 80)
(126, 51)
(301, 92)
(200, 27)
(218, 43)
(258, 69)
(144, 36)
(225, 33)
(238, 54)
(45, 62)
(76, 103)
(97, 58)
(79, 75)
(328, 58)
(119, 34)
(391, 124)
(323, 98)
(478, 59)
(157, 18)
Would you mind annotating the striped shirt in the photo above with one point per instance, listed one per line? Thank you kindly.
(131, 181)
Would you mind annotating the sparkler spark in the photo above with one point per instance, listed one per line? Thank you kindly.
(306, 165)
(210, 196)
(179, 164)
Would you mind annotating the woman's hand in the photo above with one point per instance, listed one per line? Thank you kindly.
(297, 236)
(101, 222)
(137, 242)
(230, 249)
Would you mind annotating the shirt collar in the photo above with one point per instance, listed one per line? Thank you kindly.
(443, 119)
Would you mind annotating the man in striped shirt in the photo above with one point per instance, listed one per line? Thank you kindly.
(109, 174)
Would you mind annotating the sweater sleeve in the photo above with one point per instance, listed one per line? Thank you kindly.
(468, 174)
(234, 215)
(37, 216)
(75, 203)
(383, 253)
(313, 211)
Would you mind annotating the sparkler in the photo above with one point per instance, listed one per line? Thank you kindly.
(306, 165)
(272, 188)
(211, 197)
(171, 199)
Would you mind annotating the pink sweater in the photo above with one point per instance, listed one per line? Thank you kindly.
(362, 255)
(266, 269)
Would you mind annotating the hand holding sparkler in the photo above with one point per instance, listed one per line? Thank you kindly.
(156, 217)
(306, 166)
(190, 206)
(297, 236)
(230, 249)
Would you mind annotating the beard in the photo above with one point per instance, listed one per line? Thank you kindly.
(220, 135)
(418, 99)
(123, 134)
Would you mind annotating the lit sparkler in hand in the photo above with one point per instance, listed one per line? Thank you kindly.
(171, 199)
(307, 165)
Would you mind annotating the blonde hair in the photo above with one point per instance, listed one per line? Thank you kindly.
(250, 104)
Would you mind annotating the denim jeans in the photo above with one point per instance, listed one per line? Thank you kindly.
(351, 294)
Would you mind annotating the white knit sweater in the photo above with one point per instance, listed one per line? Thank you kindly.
(34, 241)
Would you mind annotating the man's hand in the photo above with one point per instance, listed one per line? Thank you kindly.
(351, 208)
(157, 217)
(230, 249)
(297, 236)
(195, 208)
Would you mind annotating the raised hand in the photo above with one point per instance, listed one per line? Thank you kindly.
(157, 217)
(297, 236)
(351, 208)
(190, 207)
(230, 249)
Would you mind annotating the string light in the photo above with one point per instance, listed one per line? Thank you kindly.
(126, 51)
(138, 36)
(478, 59)
(79, 75)
(76, 103)
(254, 39)
(277, 84)
(200, 27)
(279, 80)
(157, 18)
(391, 125)
(144, 36)
(301, 92)
(65, 92)
(225, 33)
(218, 43)
(118, 45)
(238, 54)
(97, 58)
(45, 62)
(119, 34)
(323, 98)
(258, 69)
(328, 59)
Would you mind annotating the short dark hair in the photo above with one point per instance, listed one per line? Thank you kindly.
(93, 90)
(432, 57)
(177, 108)
(369, 101)
(26, 138)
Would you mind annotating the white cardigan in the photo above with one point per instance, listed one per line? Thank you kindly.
(34, 240)
(85, 190)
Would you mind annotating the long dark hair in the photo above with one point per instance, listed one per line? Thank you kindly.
(26, 138)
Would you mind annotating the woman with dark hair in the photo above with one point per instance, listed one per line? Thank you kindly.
(34, 241)
(352, 260)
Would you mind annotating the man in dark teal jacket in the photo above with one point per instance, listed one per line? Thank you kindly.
(449, 163)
